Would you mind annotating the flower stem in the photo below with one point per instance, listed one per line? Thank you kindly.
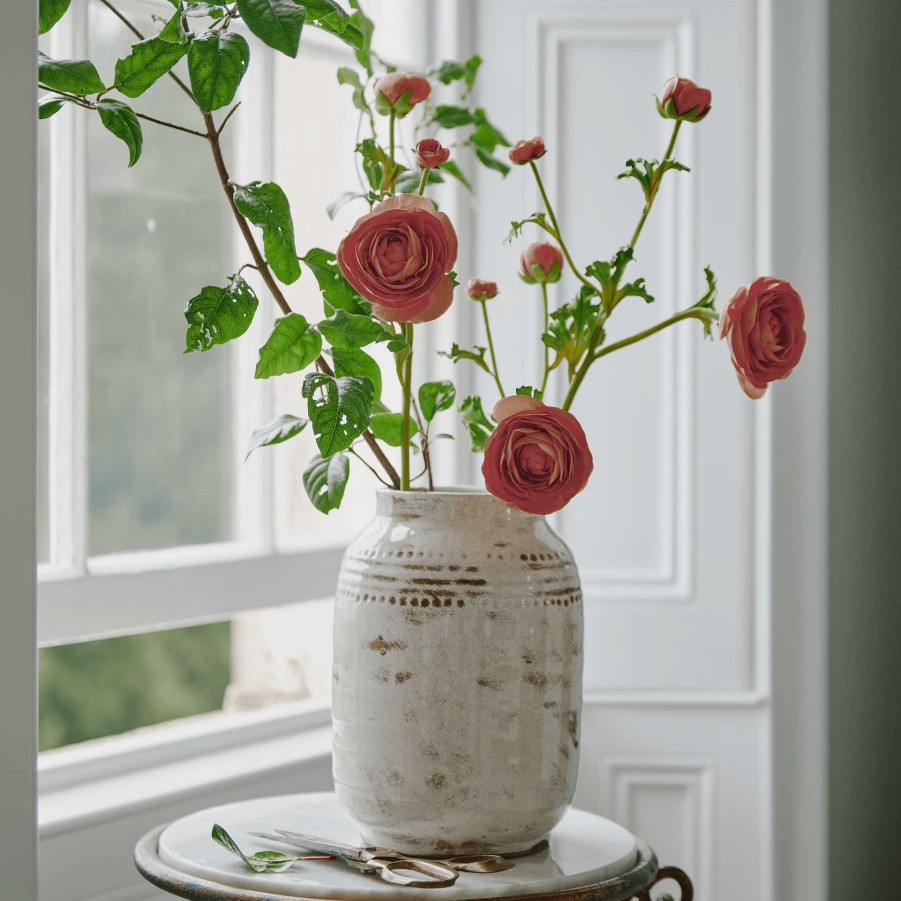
(423, 181)
(494, 372)
(553, 218)
(653, 193)
(547, 369)
(406, 387)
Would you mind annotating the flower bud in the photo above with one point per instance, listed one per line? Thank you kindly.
(479, 289)
(430, 154)
(524, 152)
(682, 99)
(541, 263)
(399, 93)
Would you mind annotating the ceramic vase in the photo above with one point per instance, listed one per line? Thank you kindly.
(457, 684)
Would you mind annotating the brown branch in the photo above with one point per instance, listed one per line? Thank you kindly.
(227, 117)
(426, 455)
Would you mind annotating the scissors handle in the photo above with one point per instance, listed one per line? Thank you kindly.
(394, 870)
(479, 863)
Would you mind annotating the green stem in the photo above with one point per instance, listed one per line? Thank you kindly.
(547, 368)
(423, 181)
(653, 193)
(406, 386)
(559, 236)
(494, 371)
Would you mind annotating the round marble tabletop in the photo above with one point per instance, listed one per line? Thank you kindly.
(584, 850)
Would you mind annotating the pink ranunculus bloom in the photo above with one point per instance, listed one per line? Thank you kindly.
(523, 152)
(479, 289)
(398, 257)
(683, 99)
(430, 154)
(764, 324)
(537, 459)
(541, 263)
(390, 88)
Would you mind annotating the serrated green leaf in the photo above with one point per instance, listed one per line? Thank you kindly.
(635, 289)
(435, 397)
(218, 315)
(266, 206)
(293, 345)
(50, 105)
(330, 17)
(280, 429)
(217, 61)
(450, 71)
(476, 422)
(337, 291)
(148, 61)
(50, 12)
(345, 329)
(75, 76)
(277, 23)
(353, 361)
(325, 481)
(528, 391)
(120, 119)
(387, 427)
(339, 409)
(476, 355)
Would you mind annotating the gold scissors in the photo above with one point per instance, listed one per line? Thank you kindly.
(392, 866)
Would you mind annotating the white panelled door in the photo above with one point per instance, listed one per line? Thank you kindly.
(670, 534)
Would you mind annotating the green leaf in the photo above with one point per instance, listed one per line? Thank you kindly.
(634, 289)
(449, 116)
(199, 9)
(291, 347)
(217, 62)
(365, 25)
(218, 315)
(454, 170)
(345, 329)
(387, 427)
(477, 355)
(706, 307)
(50, 105)
(75, 76)
(338, 408)
(325, 481)
(449, 71)
(337, 291)
(261, 862)
(528, 391)
(330, 17)
(572, 326)
(120, 119)
(50, 12)
(148, 61)
(277, 23)
(266, 206)
(491, 162)
(353, 361)
(649, 172)
(280, 429)
(435, 397)
(173, 31)
(517, 225)
(476, 422)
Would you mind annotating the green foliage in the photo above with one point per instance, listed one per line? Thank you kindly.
(476, 355)
(516, 227)
(293, 345)
(50, 105)
(217, 61)
(74, 76)
(649, 172)
(148, 61)
(339, 409)
(449, 71)
(199, 9)
(261, 861)
(325, 481)
(280, 429)
(705, 308)
(119, 118)
(454, 170)
(377, 164)
(344, 329)
(266, 206)
(476, 422)
(330, 17)
(365, 26)
(337, 291)
(484, 138)
(528, 391)
(571, 328)
(351, 77)
(609, 273)
(277, 23)
(387, 427)
(174, 31)
(435, 397)
(218, 315)
(50, 12)
(353, 361)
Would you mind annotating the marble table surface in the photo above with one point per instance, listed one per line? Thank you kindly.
(583, 849)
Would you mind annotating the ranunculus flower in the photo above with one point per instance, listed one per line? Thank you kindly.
(430, 154)
(479, 289)
(399, 93)
(683, 99)
(541, 263)
(537, 459)
(523, 152)
(764, 324)
(398, 257)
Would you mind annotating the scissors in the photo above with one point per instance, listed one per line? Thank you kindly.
(390, 865)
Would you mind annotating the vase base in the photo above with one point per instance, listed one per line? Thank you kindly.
(441, 850)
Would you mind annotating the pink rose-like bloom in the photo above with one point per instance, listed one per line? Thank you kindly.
(548, 258)
(537, 459)
(392, 87)
(430, 154)
(764, 324)
(689, 102)
(479, 289)
(523, 152)
(398, 257)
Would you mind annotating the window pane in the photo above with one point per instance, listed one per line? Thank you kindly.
(101, 688)
(160, 449)
(43, 511)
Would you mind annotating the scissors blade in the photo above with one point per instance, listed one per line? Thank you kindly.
(314, 843)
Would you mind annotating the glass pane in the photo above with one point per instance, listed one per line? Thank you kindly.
(43, 511)
(106, 687)
(160, 448)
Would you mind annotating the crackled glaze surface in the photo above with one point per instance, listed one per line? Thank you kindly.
(457, 678)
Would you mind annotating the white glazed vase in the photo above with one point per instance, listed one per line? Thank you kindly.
(457, 684)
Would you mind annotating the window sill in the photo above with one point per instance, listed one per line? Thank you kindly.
(97, 781)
